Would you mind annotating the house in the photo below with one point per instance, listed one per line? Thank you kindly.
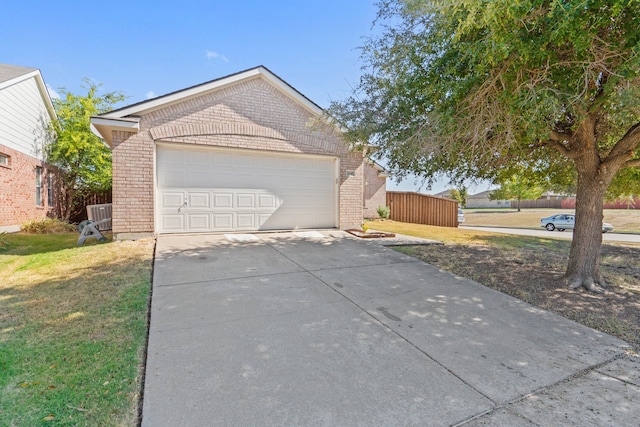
(244, 152)
(27, 183)
(481, 200)
(446, 194)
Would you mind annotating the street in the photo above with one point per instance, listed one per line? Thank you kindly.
(606, 237)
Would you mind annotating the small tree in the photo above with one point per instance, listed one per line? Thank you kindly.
(517, 187)
(460, 196)
(81, 155)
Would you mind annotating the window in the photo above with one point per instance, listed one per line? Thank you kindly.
(38, 186)
(4, 160)
(50, 189)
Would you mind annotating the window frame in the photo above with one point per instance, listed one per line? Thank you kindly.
(39, 201)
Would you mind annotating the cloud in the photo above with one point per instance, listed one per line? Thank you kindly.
(52, 93)
(215, 55)
(150, 94)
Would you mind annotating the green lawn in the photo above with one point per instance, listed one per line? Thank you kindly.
(73, 322)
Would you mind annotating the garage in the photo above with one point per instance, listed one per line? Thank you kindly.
(209, 189)
(243, 152)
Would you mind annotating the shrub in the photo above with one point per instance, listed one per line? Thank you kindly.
(47, 226)
(384, 211)
(4, 243)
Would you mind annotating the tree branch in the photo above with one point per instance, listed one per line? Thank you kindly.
(634, 163)
(627, 143)
(560, 136)
(558, 146)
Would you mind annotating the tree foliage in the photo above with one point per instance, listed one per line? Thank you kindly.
(517, 187)
(469, 88)
(81, 155)
(460, 195)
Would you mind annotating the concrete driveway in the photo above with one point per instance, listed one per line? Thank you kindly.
(321, 328)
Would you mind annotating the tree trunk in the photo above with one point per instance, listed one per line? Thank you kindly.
(583, 268)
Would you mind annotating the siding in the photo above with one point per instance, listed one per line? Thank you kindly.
(23, 117)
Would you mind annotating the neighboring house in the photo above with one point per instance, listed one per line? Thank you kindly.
(481, 200)
(245, 152)
(446, 194)
(375, 188)
(27, 183)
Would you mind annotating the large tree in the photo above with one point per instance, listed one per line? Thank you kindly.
(469, 87)
(81, 155)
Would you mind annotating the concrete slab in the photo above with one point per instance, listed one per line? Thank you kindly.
(499, 345)
(287, 350)
(186, 259)
(592, 400)
(336, 250)
(321, 329)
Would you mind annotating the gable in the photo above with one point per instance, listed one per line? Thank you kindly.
(25, 113)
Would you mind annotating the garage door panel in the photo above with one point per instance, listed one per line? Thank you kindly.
(246, 221)
(172, 200)
(267, 201)
(232, 190)
(223, 222)
(199, 200)
(245, 201)
(199, 222)
(173, 223)
(222, 200)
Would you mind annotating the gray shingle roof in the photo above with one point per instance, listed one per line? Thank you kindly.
(8, 72)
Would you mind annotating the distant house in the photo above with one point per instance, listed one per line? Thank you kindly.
(445, 194)
(481, 200)
(27, 183)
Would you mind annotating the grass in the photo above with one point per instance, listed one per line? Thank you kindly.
(532, 269)
(73, 322)
(623, 220)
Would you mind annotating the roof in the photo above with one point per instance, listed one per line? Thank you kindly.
(13, 74)
(127, 118)
(10, 72)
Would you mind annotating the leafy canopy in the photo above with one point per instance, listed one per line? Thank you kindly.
(469, 87)
(83, 157)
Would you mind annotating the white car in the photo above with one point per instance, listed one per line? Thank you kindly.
(563, 222)
(460, 216)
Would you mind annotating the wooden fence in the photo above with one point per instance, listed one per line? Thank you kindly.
(79, 212)
(422, 209)
(537, 204)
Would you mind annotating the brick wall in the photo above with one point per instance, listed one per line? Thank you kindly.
(250, 115)
(18, 190)
(375, 191)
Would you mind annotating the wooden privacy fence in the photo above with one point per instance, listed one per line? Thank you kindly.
(419, 208)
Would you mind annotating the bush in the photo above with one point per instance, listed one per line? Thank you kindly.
(47, 226)
(4, 243)
(384, 211)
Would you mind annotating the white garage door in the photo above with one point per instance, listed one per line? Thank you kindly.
(211, 189)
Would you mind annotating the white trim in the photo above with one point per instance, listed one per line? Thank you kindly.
(102, 127)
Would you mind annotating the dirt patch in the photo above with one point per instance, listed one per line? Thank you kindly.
(535, 275)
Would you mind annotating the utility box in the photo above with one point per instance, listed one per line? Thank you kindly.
(100, 212)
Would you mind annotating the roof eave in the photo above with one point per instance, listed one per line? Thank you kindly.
(104, 127)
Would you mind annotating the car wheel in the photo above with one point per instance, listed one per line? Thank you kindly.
(550, 227)
(560, 229)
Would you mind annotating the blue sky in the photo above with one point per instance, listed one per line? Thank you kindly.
(147, 49)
